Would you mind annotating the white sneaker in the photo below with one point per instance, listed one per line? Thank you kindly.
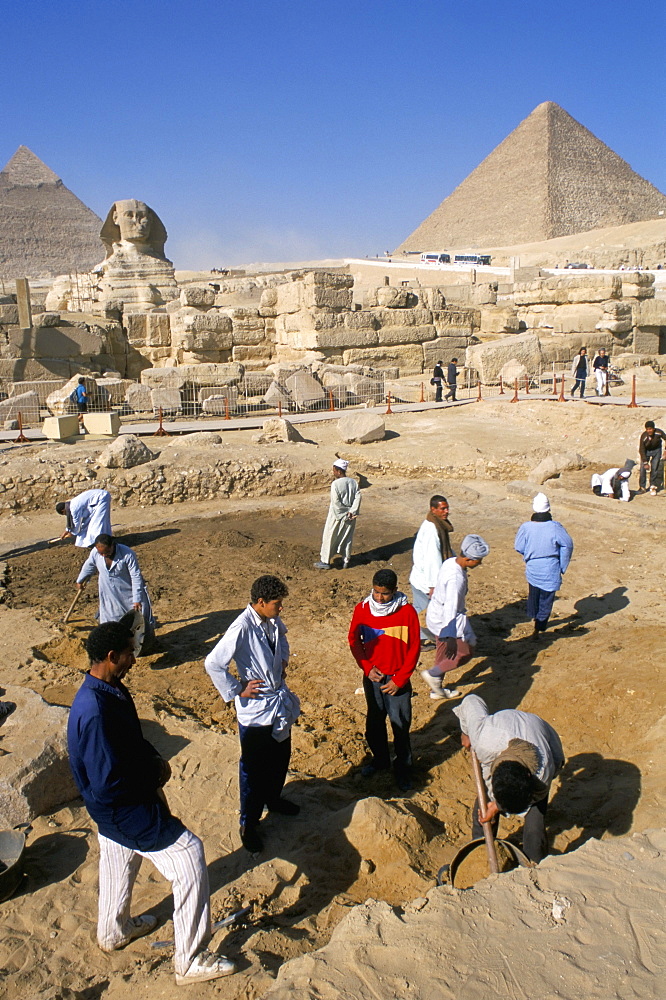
(450, 692)
(653, 491)
(435, 685)
(206, 966)
(139, 926)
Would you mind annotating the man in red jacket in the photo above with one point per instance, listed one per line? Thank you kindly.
(385, 639)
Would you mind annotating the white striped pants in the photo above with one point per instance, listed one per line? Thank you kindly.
(184, 865)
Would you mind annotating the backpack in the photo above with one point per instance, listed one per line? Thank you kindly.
(73, 398)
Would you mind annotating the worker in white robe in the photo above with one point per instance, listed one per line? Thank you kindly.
(341, 519)
(613, 483)
(121, 585)
(88, 515)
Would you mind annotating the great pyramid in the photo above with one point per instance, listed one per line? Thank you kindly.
(44, 228)
(550, 177)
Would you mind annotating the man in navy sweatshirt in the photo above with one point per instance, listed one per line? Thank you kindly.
(120, 777)
(385, 640)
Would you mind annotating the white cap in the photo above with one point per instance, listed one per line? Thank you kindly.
(340, 463)
(540, 504)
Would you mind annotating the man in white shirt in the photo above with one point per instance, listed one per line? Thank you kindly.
(431, 548)
(88, 515)
(519, 754)
(341, 518)
(266, 708)
(447, 617)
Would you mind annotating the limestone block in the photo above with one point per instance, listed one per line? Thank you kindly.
(168, 399)
(362, 319)
(35, 776)
(9, 314)
(488, 359)
(139, 399)
(202, 357)
(650, 312)
(46, 319)
(115, 388)
(26, 403)
(513, 370)
(256, 383)
(562, 349)
(277, 429)
(200, 298)
(327, 289)
(342, 337)
(395, 298)
(408, 359)
(577, 318)
(228, 373)
(331, 379)
(203, 339)
(617, 316)
(499, 320)
(67, 341)
(224, 401)
(402, 317)
(554, 465)
(646, 341)
(276, 394)
(268, 302)
(199, 439)
(106, 424)
(207, 392)
(406, 334)
(367, 390)
(306, 392)
(61, 428)
(433, 298)
(484, 294)
(249, 328)
(261, 352)
(361, 428)
(125, 452)
(569, 288)
(163, 378)
(637, 284)
(443, 349)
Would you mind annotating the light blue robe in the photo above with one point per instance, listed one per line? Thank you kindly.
(546, 548)
(120, 586)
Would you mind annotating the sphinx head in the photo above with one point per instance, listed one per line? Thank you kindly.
(133, 222)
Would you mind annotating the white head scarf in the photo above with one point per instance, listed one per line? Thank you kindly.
(340, 463)
(541, 504)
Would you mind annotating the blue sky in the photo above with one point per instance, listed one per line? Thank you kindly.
(303, 129)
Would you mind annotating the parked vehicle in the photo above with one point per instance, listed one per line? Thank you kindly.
(577, 267)
(435, 258)
(472, 258)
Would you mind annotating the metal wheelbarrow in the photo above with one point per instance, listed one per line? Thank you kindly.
(12, 849)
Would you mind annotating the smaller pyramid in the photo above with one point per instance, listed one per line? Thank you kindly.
(550, 177)
(44, 229)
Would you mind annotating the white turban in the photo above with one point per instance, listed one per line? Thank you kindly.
(541, 504)
(340, 463)
(474, 547)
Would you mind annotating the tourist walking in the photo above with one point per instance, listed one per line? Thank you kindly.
(438, 381)
(384, 640)
(452, 379)
(447, 616)
(519, 754)
(546, 548)
(649, 448)
(121, 585)
(120, 777)
(88, 515)
(265, 707)
(600, 369)
(341, 519)
(80, 397)
(431, 548)
(579, 371)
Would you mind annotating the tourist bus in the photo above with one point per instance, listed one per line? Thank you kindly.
(435, 258)
(472, 258)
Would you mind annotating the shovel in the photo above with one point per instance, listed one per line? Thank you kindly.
(483, 805)
(72, 605)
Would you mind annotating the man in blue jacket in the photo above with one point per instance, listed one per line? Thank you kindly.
(546, 548)
(120, 777)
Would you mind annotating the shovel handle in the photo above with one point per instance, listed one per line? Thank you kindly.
(483, 803)
(72, 606)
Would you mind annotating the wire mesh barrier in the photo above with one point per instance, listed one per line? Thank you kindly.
(261, 394)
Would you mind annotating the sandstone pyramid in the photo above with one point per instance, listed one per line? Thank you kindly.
(550, 177)
(44, 229)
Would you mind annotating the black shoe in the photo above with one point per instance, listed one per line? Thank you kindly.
(370, 770)
(251, 840)
(403, 781)
(285, 808)
(6, 709)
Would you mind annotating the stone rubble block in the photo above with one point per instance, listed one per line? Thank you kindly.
(26, 403)
(199, 439)
(275, 394)
(367, 390)
(253, 353)
(444, 349)
(553, 465)
(9, 314)
(163, 378)
(576, 288)
(225, 400)
(406, 334)
(105, 424)
(395, 298)
(169, 400)
(488, 359)
(200, 298)
(139, 399)
(125, 452)
(221, 374)
(35, 776)
(408, 359)
(402, 317)
(42, 388)
(362, 319)
(277, 430)
(256, 383)
(637, 284)
(579, 318)
(361, 428)
(115, 389)
(306, 391)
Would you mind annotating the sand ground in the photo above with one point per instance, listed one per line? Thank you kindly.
(595, 676)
